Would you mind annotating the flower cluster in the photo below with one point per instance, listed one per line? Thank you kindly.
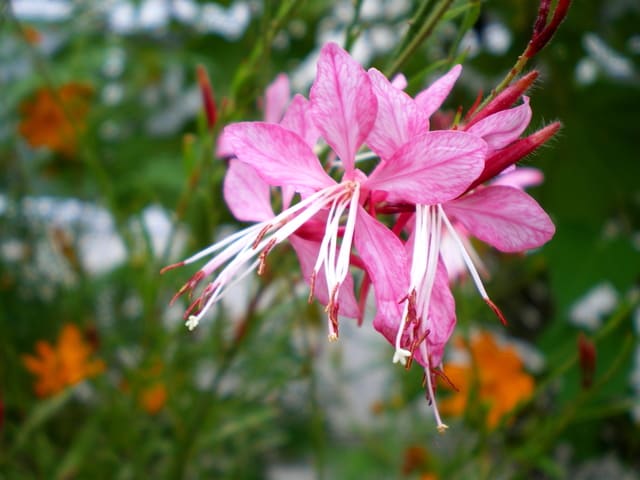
(428, 191)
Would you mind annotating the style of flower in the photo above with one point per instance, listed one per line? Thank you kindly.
(64, 364)
(54, 118)
(430, 168)
(495, 374)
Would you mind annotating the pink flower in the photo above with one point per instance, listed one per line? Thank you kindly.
(276, 99)
(430, 168)
(503, 216)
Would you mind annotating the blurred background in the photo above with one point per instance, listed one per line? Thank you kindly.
(108, 173)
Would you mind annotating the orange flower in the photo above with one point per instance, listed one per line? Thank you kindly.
(54, 118)
(31, 35)
(497, 373)
(153, 398)
(66, 363)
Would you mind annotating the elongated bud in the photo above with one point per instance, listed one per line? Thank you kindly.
(506, 98)
(543, 31)
(541, 20)
(208, 99)
(587, 357)
(506, 157)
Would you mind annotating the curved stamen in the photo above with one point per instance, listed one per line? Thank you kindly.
(470, 266)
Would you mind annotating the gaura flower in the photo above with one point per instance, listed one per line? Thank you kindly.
(500, 215)
(430, 168)
(495, 373)
(64, 364)
(436, 185)
(55, 118)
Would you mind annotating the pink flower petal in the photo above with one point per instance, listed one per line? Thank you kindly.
(223, 147)
(399, 81)
(246, 194)
(505, 217)
(442, 315)
(386, 263)
(504, 127)
(276, 99)
(307, 251)
(397, 120)
(342, 103)
(430, 100)
(279, 155)
(431, 168)
(297, 118)
(520, 177)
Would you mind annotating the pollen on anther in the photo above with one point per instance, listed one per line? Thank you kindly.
(442, 428)
(263, 256)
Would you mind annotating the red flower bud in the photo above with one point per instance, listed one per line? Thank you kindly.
(587, 357)
(542, 32)
(506, 157)
(208, 99)
(506, 98)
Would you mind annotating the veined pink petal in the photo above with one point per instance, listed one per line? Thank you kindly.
(397, 120)
(520, 177)
(430, 100)
(307, 251)
(246, 194)
(385, 260)
(505, 217)
(276, 99)
(431, 168)
(383, 255)
(279, 155)
(399, 81)
(342, 103)
(442, 315)
(504, 127)
(297, 118)
(223, 147)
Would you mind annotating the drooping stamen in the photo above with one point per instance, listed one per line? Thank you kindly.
(332, 313)
(239, 251)
(263, 255)
(335, 267)
(426, 251)
(171, 267)
(312, 286)
(471, 267)
(424, 350)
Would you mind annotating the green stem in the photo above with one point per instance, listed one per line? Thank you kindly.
(424, 32)
(506, 81)
(353, 31)
(261, 48)
(201, 411)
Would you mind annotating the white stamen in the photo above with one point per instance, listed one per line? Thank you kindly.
(465, 255)
(192, 322)
(426, 244)
(440, 425)
(243, 251)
